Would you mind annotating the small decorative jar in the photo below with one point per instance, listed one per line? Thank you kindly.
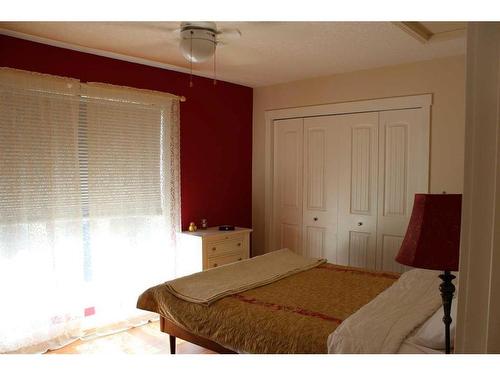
(192, 227)
(204, 223)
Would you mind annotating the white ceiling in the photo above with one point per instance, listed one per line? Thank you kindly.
(267, 52)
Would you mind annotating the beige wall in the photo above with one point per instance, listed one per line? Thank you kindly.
(444, 78)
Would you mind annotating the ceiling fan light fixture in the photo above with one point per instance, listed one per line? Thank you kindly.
(197, 44)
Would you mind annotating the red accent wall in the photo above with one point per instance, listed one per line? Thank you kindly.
(216, 124)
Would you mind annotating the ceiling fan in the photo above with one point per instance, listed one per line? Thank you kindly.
(198, 40)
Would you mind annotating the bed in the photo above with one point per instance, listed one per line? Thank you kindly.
(296, 313)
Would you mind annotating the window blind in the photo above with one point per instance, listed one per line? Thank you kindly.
(123, 158)
(127, 150)
(68, 147)
(38, 148)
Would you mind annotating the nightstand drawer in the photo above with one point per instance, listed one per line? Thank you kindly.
(224, 246)
(225, 259)
(208, 247)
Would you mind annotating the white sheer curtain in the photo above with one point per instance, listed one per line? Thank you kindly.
(133, 195)
(89, 205)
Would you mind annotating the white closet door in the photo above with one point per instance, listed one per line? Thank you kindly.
(320, 188)
(287, 192)
(357, 152)
(403, 171)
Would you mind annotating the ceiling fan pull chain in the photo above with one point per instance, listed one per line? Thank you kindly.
(215, 64)
(191, 62)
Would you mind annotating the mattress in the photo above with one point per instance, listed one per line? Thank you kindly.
(293, 315)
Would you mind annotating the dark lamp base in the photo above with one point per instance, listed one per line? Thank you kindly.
(447, 289)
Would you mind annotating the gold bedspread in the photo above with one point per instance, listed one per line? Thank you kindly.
(293, 315)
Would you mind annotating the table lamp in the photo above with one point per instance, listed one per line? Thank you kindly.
(432, 241)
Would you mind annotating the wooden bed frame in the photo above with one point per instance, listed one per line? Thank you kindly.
(174, 331)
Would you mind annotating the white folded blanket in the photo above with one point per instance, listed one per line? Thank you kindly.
(382, 325)
(211, 285)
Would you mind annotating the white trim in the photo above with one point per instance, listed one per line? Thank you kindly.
(478, 314)
(427, 136)
(111, 55)
(423, 101)
(371, 105)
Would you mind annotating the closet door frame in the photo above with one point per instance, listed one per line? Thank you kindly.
(423, 102)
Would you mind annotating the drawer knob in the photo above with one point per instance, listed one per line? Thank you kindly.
(239, 243)
(215, 264)
(214, 248)
(240, 259)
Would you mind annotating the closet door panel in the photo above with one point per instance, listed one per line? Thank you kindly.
(359, 248)
(290, 236)
(362, 158)
(403, 171)
(357, 154)
(320, 188)
(315, 242)
(390, 248)
(287, 192)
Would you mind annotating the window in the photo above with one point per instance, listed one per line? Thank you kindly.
(89, 205)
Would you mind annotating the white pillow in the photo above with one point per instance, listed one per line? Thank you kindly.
(431, 333)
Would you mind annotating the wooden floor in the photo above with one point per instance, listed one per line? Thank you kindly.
(140, 340)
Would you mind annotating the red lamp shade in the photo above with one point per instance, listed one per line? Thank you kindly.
(432, 240)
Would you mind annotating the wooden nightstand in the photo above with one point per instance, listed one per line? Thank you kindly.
(209, 248)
